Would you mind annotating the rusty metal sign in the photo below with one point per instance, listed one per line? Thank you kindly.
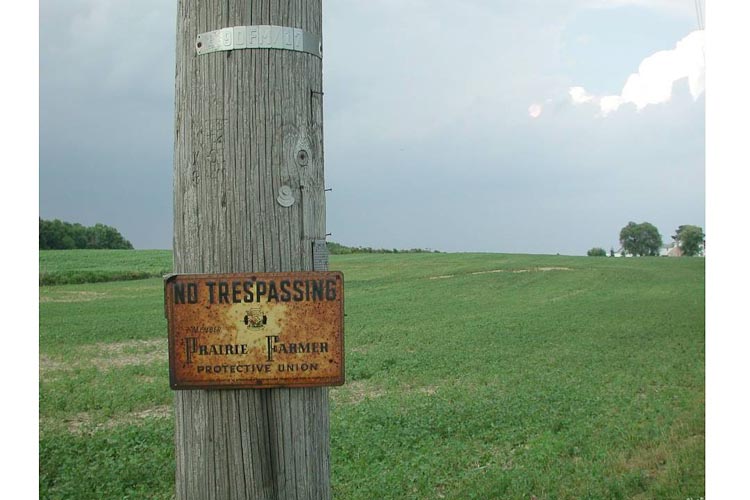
(255, 330)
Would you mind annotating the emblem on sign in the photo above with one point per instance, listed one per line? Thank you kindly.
(255, 318)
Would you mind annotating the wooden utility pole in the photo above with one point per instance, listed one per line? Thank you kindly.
(248, 142)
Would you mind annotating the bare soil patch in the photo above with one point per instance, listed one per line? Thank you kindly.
(82, 422)
(131, 353)
(105, 357)
(514, 271)
(71, 296)
(490, 272)
(356, 392)
(429, 390)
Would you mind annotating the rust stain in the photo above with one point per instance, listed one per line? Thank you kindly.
(255, 330)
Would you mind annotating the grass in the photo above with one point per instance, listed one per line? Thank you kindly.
(60, 267)
(468, 376)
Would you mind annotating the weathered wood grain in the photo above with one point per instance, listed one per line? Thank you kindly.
(241, 117)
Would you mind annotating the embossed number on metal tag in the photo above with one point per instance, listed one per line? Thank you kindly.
(259, 37)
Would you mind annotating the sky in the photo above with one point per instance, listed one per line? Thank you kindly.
(541, 126)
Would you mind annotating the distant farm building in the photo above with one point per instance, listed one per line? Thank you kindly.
(670, 250)
(673, 250)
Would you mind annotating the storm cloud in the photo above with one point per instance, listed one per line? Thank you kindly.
(430, 138)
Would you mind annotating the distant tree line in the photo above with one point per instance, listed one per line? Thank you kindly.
(339, 249)
(59, 235)
(644, 240)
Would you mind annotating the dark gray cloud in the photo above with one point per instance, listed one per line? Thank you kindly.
(428, 138)
(106, 115)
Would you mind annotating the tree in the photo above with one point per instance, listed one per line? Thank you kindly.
(689, 239)
(58, 235)
(597, 252)
(101, 236)
(50, 234)
(640, 239)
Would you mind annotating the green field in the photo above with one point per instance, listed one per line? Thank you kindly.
(58, 267)
(468, 376)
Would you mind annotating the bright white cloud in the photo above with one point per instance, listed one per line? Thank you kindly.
(579, 95)
(656, 76)
(610, 103)
(535, 110)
